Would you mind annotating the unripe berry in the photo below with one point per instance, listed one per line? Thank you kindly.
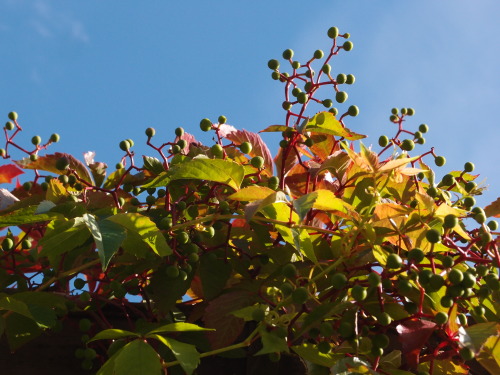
(287, 54)
(450, 221)
(307, 86)
(350, 79)
(448, 180)
(353, 111)
(469, 186)
(287, 105)
(295, 65)
(309, 73)
(380, 341)
(296, 91)
(300, 295)
(246, 147)
(333, 32)
(341, 96)
(275, 76)
(205, 125)
(7, 244)
(327, 103)
(176, 149)
(384, 319)
(222, 119)
(36, 140)
(54, 138)
(13, 116)
(9, 125)
(403, 111)
(420, 140)
(383, 141)
(124, 145)
(302, 97)
(441, 318)
(257, 162)
(334, 111)
(348, 45)
(309, 142)
(341, 78)
(467, 354)
(358, 293)
(393, 118)
(284, 143)
(433, 236)
(273, 182)
(172, 272)
(326, 68)
(3, 152)
(374, 279)
(407, 145)
(493, 225)
(394, 111)
(338, 280)
(273, 64)
(440, 160)
(423, 128)
(455, 276)
(469, 201)
(410, 111)
(62, 163)
(217, 150)
(27, 185)
(318, 54)
(394, 261)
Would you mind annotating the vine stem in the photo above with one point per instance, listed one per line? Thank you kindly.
(242, 344)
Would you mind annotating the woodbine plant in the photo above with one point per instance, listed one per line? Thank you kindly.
(334, 256)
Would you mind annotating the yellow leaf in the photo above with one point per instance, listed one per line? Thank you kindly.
(55, 191)
(252, 193)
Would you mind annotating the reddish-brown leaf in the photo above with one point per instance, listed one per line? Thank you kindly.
(259, 148)
(8, 172)
(413, 335)
(48, 163)
(493, 209)
(218, 315)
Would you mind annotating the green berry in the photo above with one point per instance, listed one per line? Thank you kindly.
(84, 325)
(324, 347)
(246, 147)
(289, 271)
(447, 301)
(326, 69)
(318, 54)
(341, 96)
(420, 140)
(125, 145)
(436, 282)
(441, 318)
(295, 65)
(286, 105)
(273, 64)
(36, 140)
(448, 180)
(374, 279)
(410, 111)
(300, 295)
(468, 167)
(7, 244)
(13, 116)
(27, 185)
(222, 119)
(407, 145)
(205, 125)
(353, 111)
(383, 141)
(479, 310)
(433, 236)
(172, 272)
(341, 78)
(334, 111)
(257, 162)
(358, 293)
(9, 125)
(394, 261)
(273, 182)
(182, 237)
(450, 221)
(384, 319)
(403, 111)
(55, 138)
(416, 255)
(348, 46)
(62, 163)
(217, 150)
(302, 98)
(393, 118)
(469, 201)
(493, 225)
(338, 280)
(333, 32)
(440, 161)
(469, 186)
(480, 218)
(350, 79)
(287, 54)
(455, 276)
(447, 261)
(286, 289)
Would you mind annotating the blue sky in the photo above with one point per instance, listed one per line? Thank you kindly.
(100, 71)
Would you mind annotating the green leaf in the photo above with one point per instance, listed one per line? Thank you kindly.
(179, 327)
(26, 215)
(153, 164)
(145, 228)
(108, 237)
(109, 366)
(392, 359)
(214, 273)
(320, 199)
(326, 123)
(253, 207)
(12, 304)
(44, 316)
(113, 334)
(489, 356)
(137, 357)
(63, 236)
(275, 128)
(476, 335)
(216, 170)
(252, 193)
(19, 330)
(186, 354)
(310, 352)
(272, 344)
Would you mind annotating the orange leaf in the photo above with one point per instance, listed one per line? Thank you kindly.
(8, 172)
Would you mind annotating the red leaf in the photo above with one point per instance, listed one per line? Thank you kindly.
(413, 335)
(259, 148)
(218, 315)
(48, 163)
(8, 172)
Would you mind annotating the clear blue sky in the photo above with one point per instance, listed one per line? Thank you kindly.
(101, 71)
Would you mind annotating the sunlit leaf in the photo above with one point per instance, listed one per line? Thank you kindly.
(113, 334)
(252, 193)
(137, 357)
(493, 209)
(325, 122)
(8, 172)
(186, 354)
(179, 327)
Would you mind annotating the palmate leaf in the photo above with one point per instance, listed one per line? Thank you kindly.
(48, 163)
